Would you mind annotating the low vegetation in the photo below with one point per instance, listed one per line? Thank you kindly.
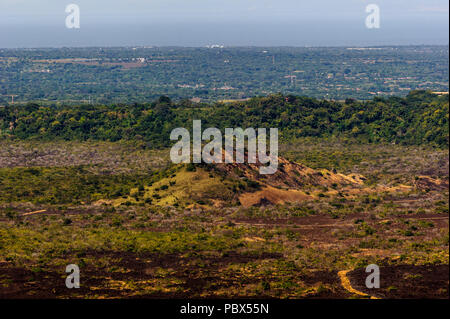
(132, 234)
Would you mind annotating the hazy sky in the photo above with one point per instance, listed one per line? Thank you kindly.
(31, 23)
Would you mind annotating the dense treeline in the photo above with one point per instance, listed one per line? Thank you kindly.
(419, 118)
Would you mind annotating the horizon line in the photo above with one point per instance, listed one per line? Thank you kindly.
(224, 46)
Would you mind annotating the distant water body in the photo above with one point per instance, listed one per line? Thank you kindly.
(350, 33)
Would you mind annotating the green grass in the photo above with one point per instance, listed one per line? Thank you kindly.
(63, 185)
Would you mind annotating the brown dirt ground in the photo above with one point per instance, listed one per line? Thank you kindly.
(406, 282)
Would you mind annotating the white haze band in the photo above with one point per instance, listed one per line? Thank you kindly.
(212, 152)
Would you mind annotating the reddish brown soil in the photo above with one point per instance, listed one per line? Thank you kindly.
(406, 282)
(25, 283)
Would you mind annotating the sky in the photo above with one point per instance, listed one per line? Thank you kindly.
(41, 23)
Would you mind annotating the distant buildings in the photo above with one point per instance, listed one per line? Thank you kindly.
(215, 46)
(440, 93)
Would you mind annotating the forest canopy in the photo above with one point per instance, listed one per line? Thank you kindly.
(419, 118)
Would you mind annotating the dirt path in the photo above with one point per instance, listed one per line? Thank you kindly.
(345, 282)
(35, 212)
(337, 224)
